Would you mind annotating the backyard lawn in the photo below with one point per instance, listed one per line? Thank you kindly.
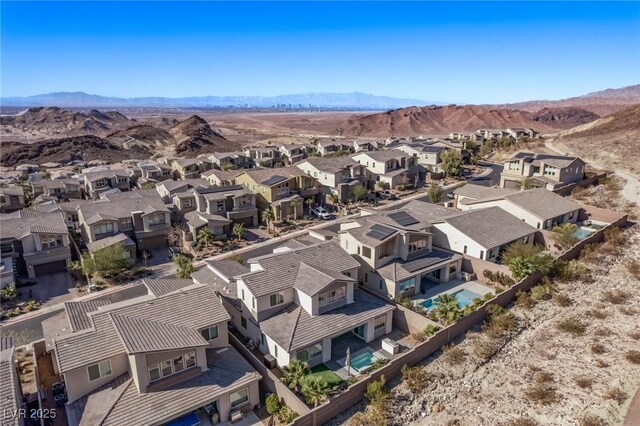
(323, 372)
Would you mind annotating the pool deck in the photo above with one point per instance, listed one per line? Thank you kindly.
(453, 286)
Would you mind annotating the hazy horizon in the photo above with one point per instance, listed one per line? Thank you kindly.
(464, 53)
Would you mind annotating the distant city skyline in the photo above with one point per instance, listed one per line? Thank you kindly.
(448, 52)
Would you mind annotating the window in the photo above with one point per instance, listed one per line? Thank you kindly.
(220, 206)
(209, 333)
(167, 368)
(331, 296)
(348, 274)
(366, 252)
(126, 223)
(242, 293)
(243, 322)
(481, 254)
(100, 183)
(366, 277)
(253, 303)
(154, 373)
(187, 203)
(190, 359)
(51, 241)
(239, 398)
(156, 219)
(262, 339)
(380, 323)
(465, 249)
(276, 299)
(178, 363)
(312, 352)
(380, 285)
(525, 239)
(571, 215)
(104, 228)
(407, 284)
(171, 366)
(99, 370)
(417, 245)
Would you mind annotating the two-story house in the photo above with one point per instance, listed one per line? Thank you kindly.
(150, 360)
(11, 199)
(293, 303)
(96, 182)
(168, 188)
(538, 207)
(360, 145)
(37, 242)
(142, 216)
(541, 170)
(226, 160)
(328, 147)
(293, 153)
(390, 167)
(428, 155)
(189, 168)
(335, 175)
(395, 250)
(283, 190)
(156, 172)
(221, 177)
(62, 189)
(263, 156)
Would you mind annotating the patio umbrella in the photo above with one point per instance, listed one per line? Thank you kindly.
(348, 362)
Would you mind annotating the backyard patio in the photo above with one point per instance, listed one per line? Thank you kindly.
(462, 289)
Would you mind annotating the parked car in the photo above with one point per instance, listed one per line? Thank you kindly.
(321, 212)
(386, 195)
(174, 250)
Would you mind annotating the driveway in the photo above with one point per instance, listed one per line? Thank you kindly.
(51, 289)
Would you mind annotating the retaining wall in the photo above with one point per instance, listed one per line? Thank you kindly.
(567, 189)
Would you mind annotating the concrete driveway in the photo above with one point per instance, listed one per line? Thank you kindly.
(51, 289)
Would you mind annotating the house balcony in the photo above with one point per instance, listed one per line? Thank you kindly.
(307, 192)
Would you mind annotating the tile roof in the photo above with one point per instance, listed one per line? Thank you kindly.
(491, 227)
(161, 286)
(293, 328)
(77, 312)
(559, 161)
(542, 203)
(121, 208)
(312, 280)
(330, 164)
(12, 190)
(23, 222)
(281, 269)
(109, 241)
(399, 269)
(385, 155)
(481, 192)
(262, 176)
(8, 398)
(228, 268)
(172, 185)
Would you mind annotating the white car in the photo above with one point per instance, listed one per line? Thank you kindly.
(321, 212)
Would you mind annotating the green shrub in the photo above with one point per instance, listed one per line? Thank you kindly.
(286, 415)
(377, 394)
(272, 403)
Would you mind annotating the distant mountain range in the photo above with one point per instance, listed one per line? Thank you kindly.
(316, 100)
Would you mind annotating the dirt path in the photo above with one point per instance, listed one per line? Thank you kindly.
(631, 190)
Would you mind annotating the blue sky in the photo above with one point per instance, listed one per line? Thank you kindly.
(452, 52)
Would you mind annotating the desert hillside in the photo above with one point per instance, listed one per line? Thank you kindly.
(194, 136)
(564, 117)
(613, 140)
(437, 120)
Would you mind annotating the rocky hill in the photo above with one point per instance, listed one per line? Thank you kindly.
(613, 141)
(63, 150)
(143, 135)
(602, 103)
(564, 118)
(194, 136)
(42, 123)
(437, 120)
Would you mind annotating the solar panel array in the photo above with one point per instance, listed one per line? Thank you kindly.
(403, 218)
(380, 232)
(273, 180)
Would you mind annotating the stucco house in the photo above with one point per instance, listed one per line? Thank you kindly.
(11, 199)
(390, 167)
(96, 182)
(336, 175)
(541, 170)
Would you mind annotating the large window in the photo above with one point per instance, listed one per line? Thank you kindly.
(126, 223)
(210, 333)
(276, 299)
(312, 352)
(381, 322)
(366, 252)
(171, 366)
(156, 219)
(51, 241)
(104, 228)
(239, 398)
(407, 284)
(332, 296)
(99, 370)
(417, 245)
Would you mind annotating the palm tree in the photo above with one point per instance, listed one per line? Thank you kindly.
(309, 202)
(525, 259)
(184, 268)
(268, 217)
(293, 204)
(447, 310)
(238, 230)
(9, 291)
(315, 391)
(294, 372)
(205, 236)
(358, 192)
(565, 235)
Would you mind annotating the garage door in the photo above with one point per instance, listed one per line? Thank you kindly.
(153, 243)
(50, 268)
(246, 221)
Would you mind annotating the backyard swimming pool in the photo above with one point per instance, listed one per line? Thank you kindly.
(583, 233)
(362, 361)
(463, 297)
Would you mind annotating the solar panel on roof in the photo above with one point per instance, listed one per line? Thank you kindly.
(403, 218)
(380, 232)
(273, 180)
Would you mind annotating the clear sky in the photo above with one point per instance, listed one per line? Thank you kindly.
(451, 52)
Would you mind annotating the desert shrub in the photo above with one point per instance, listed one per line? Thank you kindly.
(634, 269)
(415, 378)
(500, 321)
(572, 325)
(286, 415)
(500, 278)
(600, 363)
(453, 355)
(597, 313)
(591, 420)
(634, 334)
(571, 270)
(584, 382)
(523, 421)
(598, 348)
(615, 394)
(633, 356)
(524, 299)
(542, 393)
(485, 348)
(377, 394)
(273, 404)
(562, 300)
(369, 417)
(541, 292)
(404, 301)
(616, 296)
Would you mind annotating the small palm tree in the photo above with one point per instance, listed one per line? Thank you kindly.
(293, 204)
(9, 291)
(565, 235)
(238, 230)
(205, 236)
(294, 372)
(447, 310)
(527, 183)
(315, 391)
(309, 202)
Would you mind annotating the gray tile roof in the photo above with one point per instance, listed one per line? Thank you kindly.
(482, 192)
(281, 269)
(542, 203)
(384, 155)
(23, 222)
(559, 161)
(491, 227)
(12, 190)
(119, 403)
(109, 241)
(103, 340)
(173, 185)
(121, 208)
(77, 312)
(330, 164)
(312, 280)
(294, 328)
(264, 175)
(228, 268)
(399, 269)
(8, 398)
(161, 286)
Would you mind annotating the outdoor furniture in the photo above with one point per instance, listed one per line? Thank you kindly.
(390, 346)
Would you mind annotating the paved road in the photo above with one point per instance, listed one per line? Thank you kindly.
(490, 179)
(630, 191)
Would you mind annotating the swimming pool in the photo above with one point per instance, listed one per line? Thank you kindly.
(463, 297)
(583, 233)
(189, 419)
(362, 361)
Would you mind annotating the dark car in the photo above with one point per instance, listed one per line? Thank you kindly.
(174, 250)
